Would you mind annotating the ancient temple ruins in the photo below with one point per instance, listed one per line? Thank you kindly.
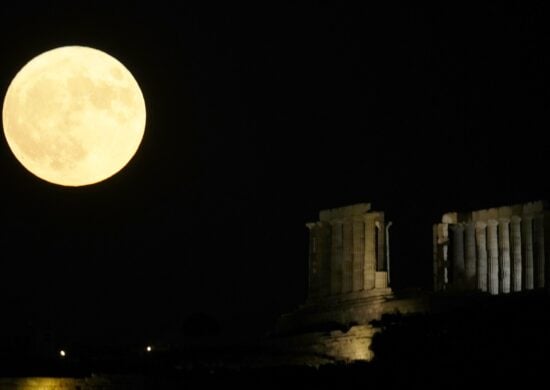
(348, 252)
(349, 275)
(497, 250)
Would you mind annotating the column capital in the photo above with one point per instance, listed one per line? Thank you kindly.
(528, 217)
(312, 225)
(504, 221)
(457, 226)
(480, 225)
(515, 219)
(492, 222)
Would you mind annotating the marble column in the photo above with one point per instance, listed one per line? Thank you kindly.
(527, 246)
(380, 263)
(369, 268)
(470, 255)
(504, 255)
(492, 251)
(538, 237)
(347, 257)
(515, 231)
(358, 254)
(481, 249)
(458, 255)
(336, 259)
(387, 253)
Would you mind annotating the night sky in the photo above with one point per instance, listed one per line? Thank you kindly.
(258, 117)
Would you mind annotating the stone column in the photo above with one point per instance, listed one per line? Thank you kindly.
(515, 228)
(527, 246)
(336, 259)
(504, 255)
(470, 255)
(492, 251)
(380, 263)
(481, 249)
(347, 257)
(538, 237)
(388, 226)
(458, 255)
(369, 268)
(358, 254)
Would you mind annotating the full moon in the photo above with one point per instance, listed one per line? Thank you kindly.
(74, 116)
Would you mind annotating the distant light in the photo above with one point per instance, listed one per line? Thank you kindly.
(149, 348)
(62, 353)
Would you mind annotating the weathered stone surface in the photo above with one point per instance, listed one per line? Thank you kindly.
(515, 231)
(381, 279)
(507, 245)
(336, 258)
(358, 254)
(504, 255)
(324, 246)
(370, 259)
(347, 257)
(346, 250)
(481, 249)
(527, 245)
(318, 348)
(450, 218)
(470, 255)
(344, 212)
(380, 244)
(540, 269)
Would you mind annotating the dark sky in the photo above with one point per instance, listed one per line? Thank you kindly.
(258, 117)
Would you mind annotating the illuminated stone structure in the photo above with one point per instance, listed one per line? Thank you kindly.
(348, 287)
(498, 250)
(347, 253)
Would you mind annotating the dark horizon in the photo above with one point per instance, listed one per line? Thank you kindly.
(258, 118)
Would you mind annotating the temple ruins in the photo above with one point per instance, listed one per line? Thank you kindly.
(485, 252)
(349, 286)
(497, 250)
(348, 253)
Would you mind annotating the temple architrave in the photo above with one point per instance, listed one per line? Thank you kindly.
(497, 250)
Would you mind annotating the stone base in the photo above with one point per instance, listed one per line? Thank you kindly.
(318, 348)
(339, 328)
(381, 279)
(347, 310)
